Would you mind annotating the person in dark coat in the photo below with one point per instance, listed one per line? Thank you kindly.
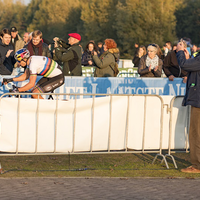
(86, 59)
(37, 47)
(71, 56)
(7, 59)
(192, 97)
(100, 48)
(141, 52)
(150, 65)
(171, 67)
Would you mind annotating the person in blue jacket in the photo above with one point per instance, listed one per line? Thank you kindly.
(192, 97)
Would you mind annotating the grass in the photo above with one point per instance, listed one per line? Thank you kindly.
(94, 165)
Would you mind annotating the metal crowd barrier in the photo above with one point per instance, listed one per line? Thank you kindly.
(170, 109)
(126, 150)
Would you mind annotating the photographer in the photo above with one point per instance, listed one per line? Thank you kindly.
(71, 56)
(87, 55)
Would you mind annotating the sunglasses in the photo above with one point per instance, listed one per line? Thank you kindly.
(152, 45)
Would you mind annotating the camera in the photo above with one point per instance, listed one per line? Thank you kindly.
(62, 43)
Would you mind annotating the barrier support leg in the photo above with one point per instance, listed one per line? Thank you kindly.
(172, 157)
(1, 169)
(69, 159)
(162, 160)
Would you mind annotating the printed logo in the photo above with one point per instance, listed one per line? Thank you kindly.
(48, 88)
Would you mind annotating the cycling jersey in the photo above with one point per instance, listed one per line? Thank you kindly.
(46, 67)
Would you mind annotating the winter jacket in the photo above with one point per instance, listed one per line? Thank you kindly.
(171, 66)
(143, 70)
(45, 50)
(105, 63)
(71, 59)
(6, 64)
(86, 57)
(192, 66)
(136, 61)
(18, 43)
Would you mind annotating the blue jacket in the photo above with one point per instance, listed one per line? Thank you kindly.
(192, 66)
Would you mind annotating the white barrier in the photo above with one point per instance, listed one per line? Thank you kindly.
(91, 124)
(103, 123)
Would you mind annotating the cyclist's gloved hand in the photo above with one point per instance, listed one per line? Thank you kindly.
(14, 90)
(7, 80)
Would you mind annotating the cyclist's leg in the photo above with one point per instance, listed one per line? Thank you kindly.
(46, 85)
(38, 89)
(35, 96)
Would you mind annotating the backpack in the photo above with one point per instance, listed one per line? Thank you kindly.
(115, 70)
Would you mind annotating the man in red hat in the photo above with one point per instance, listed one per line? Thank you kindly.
(71, 57)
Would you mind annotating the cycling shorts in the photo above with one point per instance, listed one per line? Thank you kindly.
(45, 85)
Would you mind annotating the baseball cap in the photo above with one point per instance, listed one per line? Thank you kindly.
(13, 29)
(75, 35)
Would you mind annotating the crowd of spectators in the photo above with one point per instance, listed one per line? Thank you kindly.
(168, 63)
(151, 60)
(69, 55)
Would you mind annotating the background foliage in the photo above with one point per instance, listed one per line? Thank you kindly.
(126, 21)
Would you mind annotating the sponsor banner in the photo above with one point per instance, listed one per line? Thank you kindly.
(123, 72)
(117, 85)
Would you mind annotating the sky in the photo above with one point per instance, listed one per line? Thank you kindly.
(27, 2)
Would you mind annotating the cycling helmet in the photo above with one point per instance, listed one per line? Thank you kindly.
(21, 54)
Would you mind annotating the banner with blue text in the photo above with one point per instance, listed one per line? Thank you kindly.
(115, 85)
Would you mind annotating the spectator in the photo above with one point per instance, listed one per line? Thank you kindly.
(136, 48)
(26, 38)
(7, 60)
(71, 57)
(159, 52)
(168, 47)
(174, 47)
(17, 43)
(141, 52)
(191, 98)
(106, 62)
(100, 48)
(194, 50)
(189, 44)
(150, 65)
(87, 55)
(37, 47)
(16, 40)
(30, 36)
(171, 67)
(165, 50)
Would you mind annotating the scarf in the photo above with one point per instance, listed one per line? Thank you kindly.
(31, 47)
(153, 62)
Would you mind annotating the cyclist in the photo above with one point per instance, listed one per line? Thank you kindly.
(37, 65)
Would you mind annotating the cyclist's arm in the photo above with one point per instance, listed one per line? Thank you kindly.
(23, 77)
(29, 85)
